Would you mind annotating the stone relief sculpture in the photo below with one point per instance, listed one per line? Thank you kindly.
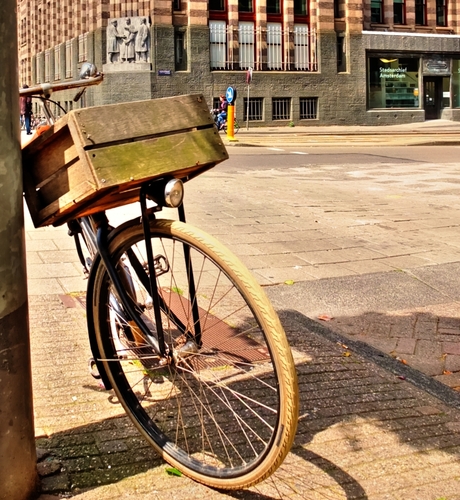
(142, 41)
(114, 39)
(128, 41)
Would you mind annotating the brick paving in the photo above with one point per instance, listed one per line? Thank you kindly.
(365, 431)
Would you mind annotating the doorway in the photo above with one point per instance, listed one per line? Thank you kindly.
(432, 91)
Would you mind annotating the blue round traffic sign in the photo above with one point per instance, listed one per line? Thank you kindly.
(230, 95)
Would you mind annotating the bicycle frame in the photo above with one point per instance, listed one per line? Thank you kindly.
(100, 231)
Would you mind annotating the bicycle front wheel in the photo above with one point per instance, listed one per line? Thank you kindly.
(222, 407)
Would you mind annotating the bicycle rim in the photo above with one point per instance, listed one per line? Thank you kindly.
(224, 409)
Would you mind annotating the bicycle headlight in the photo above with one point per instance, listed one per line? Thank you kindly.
(174, 193)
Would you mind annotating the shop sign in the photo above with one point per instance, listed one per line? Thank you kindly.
(392, 73)
(436, 66)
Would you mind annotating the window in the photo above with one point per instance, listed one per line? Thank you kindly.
(47, 65)
(273, 7)
(83, 47)
(57, 62)
(255, 109)
(218, 9)
(377, 11)
(399, 11)
(304, 48)
(39, 68)
(274, 46)
(441, 12)
(393, 82)
(245, 6)
(262, 48)
(218, 44)
(420, 12)
(300, 8)
(281, 108)
(341, 53)
(177, 5)
(68, 59)
(217, 5)
(246, 44)
(180, 50)
(337, 9)
(308, 108)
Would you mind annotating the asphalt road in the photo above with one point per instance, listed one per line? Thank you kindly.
(269, 157)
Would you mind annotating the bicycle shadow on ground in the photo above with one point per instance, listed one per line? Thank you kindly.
(362, 431)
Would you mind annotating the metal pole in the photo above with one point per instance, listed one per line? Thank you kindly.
(247, 110)
(18, 474)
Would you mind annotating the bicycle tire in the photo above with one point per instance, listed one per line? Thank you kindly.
(236, 127)
(226, 415)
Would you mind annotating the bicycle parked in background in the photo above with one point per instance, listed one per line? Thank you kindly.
(184, 335)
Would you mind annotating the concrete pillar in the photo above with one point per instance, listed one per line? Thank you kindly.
(18, 476)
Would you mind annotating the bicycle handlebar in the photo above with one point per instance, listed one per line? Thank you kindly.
(46, 89)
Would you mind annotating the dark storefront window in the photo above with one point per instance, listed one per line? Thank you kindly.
(399, 12)
(377, 11)
(441, 12)
(393, 82)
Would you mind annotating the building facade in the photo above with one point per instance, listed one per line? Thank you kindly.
(292, 62)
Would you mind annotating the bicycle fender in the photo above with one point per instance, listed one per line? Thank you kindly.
(90, 324)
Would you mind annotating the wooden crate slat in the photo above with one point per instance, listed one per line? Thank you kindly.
(121, 122)
(48, 161)
(154, 157)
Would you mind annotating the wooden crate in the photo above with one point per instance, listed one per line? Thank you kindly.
(97, 158)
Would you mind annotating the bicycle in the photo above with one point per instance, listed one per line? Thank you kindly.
(236, 126)
(186, 338)
(223, 126)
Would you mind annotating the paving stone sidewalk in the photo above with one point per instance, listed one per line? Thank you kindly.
(364, 433)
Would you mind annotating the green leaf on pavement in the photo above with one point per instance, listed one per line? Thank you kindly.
(172, 471)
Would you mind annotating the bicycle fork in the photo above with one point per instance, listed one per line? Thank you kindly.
(156, 339)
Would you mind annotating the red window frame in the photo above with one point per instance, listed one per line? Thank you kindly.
(302, 18)
(247, 16)
(276, 17)
(219, 15)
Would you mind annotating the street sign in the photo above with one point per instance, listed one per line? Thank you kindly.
(230, 95)
(249, 76)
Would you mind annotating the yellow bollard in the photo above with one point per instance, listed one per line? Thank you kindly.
(230, 122)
